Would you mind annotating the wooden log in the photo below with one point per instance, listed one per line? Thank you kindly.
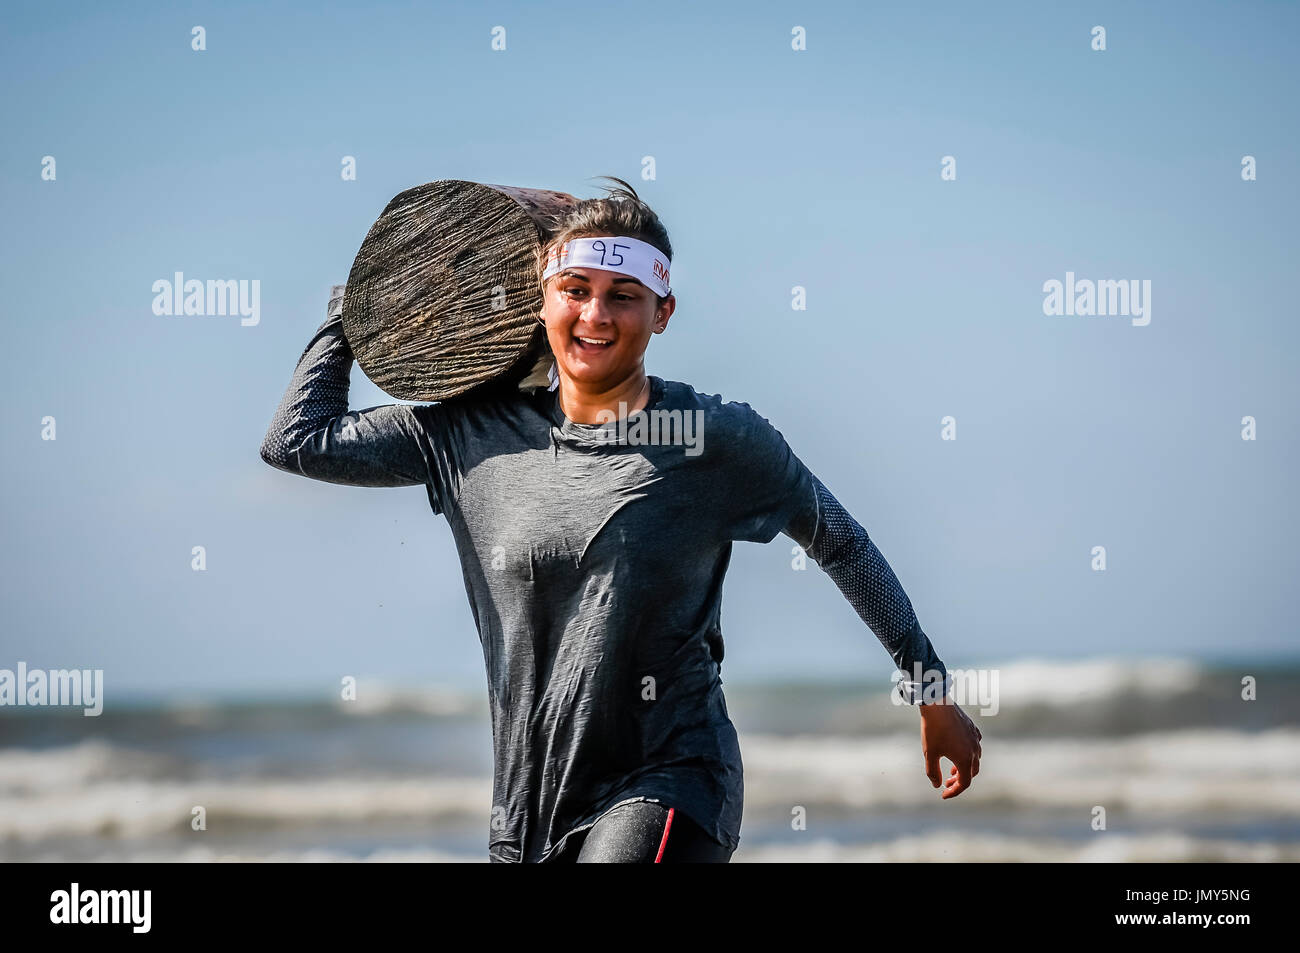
(443, 298)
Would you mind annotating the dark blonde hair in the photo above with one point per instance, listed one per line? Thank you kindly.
(621, 212)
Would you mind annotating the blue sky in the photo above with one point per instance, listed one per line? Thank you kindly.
(775, 168)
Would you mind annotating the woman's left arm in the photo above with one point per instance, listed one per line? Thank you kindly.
(842, 548)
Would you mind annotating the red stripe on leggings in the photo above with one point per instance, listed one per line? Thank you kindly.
(664, 843)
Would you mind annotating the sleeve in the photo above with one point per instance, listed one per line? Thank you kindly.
(767, 482)
(313, 434)
(844, 551)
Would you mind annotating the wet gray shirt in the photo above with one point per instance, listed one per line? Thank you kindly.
(593, 557)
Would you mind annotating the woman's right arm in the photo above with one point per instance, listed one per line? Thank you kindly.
(315, 435)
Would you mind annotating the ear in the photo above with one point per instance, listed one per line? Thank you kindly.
(664, 312)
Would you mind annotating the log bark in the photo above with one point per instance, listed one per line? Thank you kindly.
(443, 298)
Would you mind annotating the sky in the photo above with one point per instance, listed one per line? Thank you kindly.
(773, 168)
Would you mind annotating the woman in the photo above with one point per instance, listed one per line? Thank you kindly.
(594, 557)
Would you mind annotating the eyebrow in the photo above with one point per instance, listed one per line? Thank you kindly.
(616, 281)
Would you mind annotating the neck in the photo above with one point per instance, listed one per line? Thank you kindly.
(585, 404)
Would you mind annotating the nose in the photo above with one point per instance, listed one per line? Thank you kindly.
(595, 311)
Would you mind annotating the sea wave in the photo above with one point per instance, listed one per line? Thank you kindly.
(98, 789)
(937, 846)
(966, 848)
(1064, 683)
(382, 698)
(1228, 772)
(125, 853)
(25, 771)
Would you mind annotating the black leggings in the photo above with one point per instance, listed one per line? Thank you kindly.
(643, 832)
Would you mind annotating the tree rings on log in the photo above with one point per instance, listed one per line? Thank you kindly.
(443, 297)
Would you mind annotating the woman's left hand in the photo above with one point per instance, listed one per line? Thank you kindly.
(948, 732)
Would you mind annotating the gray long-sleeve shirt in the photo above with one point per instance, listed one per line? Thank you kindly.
(594, 564)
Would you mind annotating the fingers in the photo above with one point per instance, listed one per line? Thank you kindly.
(959, 779)
(964, 767)
(932, 770)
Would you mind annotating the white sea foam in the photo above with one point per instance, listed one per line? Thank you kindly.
(93, 788)
(96, 789)
(1021, 682)
(934, 846)
(206, 855)
(964, 847)
(1227, 772)
(1059, 682)
(27, 771)
(380, 698)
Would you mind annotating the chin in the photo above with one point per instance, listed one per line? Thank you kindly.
(584, 374)
(589, 375)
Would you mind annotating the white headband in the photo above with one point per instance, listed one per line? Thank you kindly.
(628, 256)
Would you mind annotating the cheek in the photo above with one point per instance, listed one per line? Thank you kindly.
(559, 310)
(645, 326)
(551, 315)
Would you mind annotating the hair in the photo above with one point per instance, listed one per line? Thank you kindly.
(621, 212)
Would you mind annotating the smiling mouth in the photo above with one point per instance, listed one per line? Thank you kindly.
(591, 344)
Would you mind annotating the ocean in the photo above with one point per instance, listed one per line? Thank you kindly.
(1182, 766)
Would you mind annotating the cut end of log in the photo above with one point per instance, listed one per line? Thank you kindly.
(443, 295)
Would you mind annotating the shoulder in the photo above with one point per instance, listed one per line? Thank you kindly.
(734, 421)
(481, 410)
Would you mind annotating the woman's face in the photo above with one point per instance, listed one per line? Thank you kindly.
(585, 306)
